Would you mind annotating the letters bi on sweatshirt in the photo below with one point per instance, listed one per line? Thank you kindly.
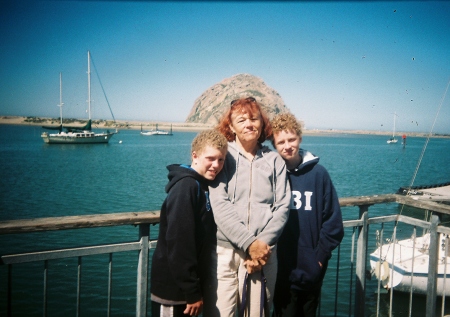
(314, 228)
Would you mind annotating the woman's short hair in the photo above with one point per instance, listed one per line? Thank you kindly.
(211, 137)
(245, 106)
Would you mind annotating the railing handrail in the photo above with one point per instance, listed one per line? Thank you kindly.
(151, 217)
(78, 222)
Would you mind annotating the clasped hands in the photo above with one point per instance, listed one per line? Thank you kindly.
(258, 254)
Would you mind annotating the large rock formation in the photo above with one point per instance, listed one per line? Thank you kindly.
(211, 105)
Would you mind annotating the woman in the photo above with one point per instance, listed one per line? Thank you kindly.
(250, 201)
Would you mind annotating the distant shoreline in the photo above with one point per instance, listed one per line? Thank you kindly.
(106, 124)
(182, 126)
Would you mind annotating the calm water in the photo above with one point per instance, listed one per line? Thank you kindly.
(40, 180)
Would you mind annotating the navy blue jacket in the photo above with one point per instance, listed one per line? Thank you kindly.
(314, 228)
(186, 226)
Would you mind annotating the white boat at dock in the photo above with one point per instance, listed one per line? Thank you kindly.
(156, 131)
(402, 265)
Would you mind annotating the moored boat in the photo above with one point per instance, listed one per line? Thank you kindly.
(404, 265)
(156, 131)
(393, 139)
(76, 135)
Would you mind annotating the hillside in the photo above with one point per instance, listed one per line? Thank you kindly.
(211, 105)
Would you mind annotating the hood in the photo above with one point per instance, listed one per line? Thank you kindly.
(235, 149)
(180, 171)
(308, 161)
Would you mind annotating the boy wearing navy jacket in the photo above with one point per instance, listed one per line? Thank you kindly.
(186, 229)
(314, 228)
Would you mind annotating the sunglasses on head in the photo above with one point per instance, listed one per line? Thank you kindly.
(249, 99)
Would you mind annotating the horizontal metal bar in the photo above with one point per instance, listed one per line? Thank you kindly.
(353, 223)
(67, 253)
(382, 219)
(414, 222)
(391, 218)
(445, 230)
(152, 244)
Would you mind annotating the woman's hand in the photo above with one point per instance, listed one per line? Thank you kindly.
(252, 266)
(259, 251)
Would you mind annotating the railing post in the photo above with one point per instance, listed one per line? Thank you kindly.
(142, 271)
(9, 295)
(361, 256)
(432, 267)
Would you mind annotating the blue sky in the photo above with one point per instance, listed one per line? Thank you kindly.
(337, 65)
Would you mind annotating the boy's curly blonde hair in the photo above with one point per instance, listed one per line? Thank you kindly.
(286, 122)
(211, 137)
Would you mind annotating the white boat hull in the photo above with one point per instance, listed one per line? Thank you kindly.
(392, 141)
(394, 270)
(86, 137)
(156, 133)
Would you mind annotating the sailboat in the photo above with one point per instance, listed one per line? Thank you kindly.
(76, 135)
(393, 139)
(403, 264)
(156, 131)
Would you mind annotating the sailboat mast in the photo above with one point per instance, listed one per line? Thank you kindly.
(89, 85)
(60, 98)
(393, 133)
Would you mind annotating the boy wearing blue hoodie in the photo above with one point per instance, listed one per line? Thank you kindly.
(186, 229)
(314, 228)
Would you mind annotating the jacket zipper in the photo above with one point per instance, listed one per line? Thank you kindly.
(249, 195)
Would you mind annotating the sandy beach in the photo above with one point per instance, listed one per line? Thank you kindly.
(107, 124)
(177, 126)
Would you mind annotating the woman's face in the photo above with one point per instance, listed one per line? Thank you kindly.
(246, 126)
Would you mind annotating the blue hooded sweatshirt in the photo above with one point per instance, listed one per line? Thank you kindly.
(186, 232)
(314, 228)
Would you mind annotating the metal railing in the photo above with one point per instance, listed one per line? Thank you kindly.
(358, 268)
(359, 245)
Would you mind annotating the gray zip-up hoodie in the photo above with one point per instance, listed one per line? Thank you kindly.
(250, 199)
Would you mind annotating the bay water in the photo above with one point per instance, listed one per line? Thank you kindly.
(129, 174)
